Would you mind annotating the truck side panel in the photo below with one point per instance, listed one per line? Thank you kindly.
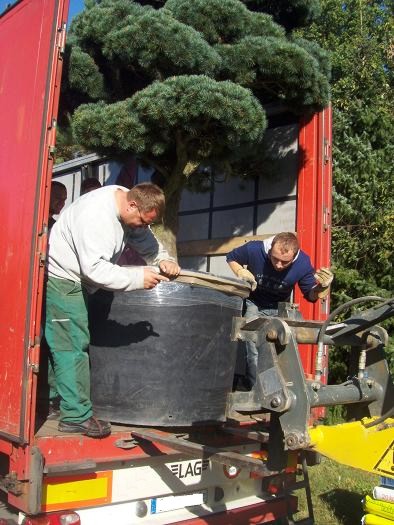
(314, 212)
(30, 69)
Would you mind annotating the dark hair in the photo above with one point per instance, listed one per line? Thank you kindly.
(288, 242)
(89, 184)
(58, 185)
(149, 197)
(57, 197)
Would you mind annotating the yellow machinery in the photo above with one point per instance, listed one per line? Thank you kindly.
(366, 444)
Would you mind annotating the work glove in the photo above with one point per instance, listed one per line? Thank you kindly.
(247, 276)
(324, 277)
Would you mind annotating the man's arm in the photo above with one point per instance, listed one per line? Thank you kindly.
(313, 295)
(243, 273)
(83, 248)
(169, 268)
(236, 267)
(153, 252)
(324, 278)
(314, 284)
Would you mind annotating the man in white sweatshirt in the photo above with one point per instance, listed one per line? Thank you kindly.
(84, 246)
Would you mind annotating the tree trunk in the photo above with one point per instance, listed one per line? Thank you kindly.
(167, 231)
(173, 190)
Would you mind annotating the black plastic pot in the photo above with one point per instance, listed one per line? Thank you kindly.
(164, 357)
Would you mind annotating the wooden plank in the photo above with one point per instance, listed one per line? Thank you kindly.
(216, 246)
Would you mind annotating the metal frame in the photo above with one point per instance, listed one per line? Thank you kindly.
(314, 208)
(283, 388)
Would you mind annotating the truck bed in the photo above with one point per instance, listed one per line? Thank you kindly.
(47, 428)
(63, 452)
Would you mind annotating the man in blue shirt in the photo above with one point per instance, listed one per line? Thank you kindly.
(273, 267)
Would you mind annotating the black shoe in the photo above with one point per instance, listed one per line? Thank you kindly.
(91, 427)
(54, 408)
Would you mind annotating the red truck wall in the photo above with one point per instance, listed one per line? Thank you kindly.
(30, 72)
(314, 205)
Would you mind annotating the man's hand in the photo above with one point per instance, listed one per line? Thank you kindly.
(324, 278)
(169, 268)
(247, 276)
(152, 278)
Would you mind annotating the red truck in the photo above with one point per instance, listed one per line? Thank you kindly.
(54, 478)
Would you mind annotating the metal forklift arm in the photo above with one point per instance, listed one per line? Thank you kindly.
(283, 390)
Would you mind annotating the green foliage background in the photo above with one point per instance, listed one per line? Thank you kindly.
(360, 37)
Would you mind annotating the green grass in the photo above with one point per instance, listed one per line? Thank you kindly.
(337, 491)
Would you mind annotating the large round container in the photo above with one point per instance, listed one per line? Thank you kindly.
(164, 357)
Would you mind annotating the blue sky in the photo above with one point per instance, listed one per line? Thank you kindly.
(75, 6)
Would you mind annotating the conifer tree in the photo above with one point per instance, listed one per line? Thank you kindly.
(182, 84)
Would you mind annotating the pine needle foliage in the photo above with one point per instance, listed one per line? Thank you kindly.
(182, 84)
(223, 22)
(188, 111)
(290, 14)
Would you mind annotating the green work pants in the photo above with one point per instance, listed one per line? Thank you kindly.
(67, 334)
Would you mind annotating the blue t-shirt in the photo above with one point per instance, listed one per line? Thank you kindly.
(273, 286)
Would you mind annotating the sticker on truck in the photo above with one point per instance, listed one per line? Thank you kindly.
(177, 502)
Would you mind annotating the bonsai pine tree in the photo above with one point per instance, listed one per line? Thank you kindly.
(182, 84)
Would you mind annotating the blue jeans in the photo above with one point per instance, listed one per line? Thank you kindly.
(252, 351)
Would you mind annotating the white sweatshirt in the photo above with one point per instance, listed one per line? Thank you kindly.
(88, 239)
